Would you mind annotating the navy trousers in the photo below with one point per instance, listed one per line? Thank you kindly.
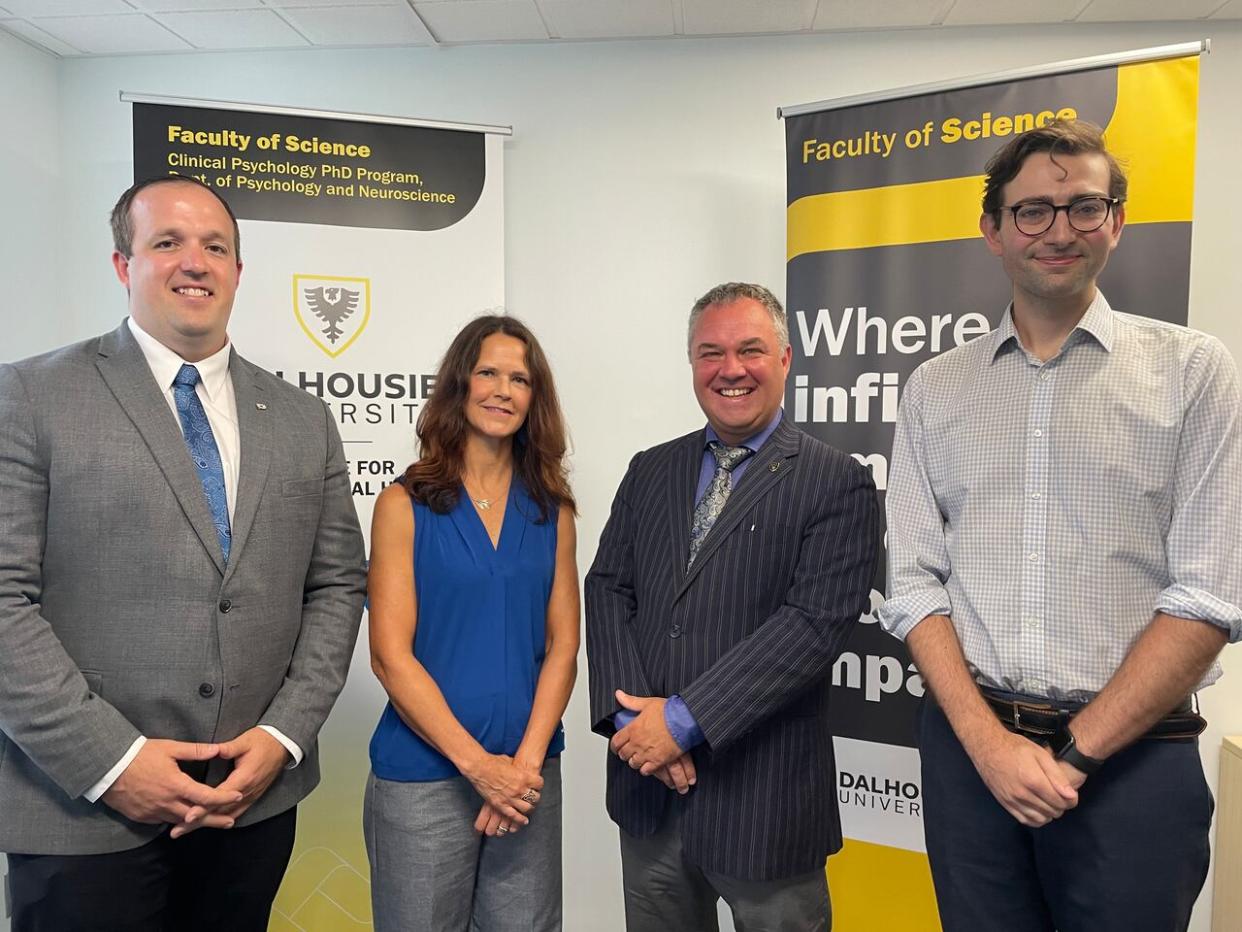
(1131, 857)
(207, 881)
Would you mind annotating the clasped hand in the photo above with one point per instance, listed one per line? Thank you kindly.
(1032, 785)
(647, 746)
(510, 792)
(153, 788)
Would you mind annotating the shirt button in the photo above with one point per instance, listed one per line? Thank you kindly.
(1038, 432)
(1036, 496)
(1032, 622)
(206, 690)
(225, 606)
(1043, 377)
(675, 631)
(1033, 557)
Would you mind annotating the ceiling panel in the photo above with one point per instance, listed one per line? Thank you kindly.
(34, 8)
(724, 17)
(1231, 10)
(300, 4)
(992, 12)
(113, 35)
(1117, 11)
(482, 20)
(179, 6)
(359, 25)
(602, 19)
(238, 29)
(868, 14)
(38, 37)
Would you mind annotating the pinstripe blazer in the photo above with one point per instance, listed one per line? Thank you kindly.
(747, 637)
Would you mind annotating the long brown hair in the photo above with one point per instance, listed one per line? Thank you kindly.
(538, 448)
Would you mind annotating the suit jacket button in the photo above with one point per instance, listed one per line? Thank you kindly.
(225, 605)
(675, 631)
(206, 690)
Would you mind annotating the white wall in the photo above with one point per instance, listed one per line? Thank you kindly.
(30, 212)
(639, 175)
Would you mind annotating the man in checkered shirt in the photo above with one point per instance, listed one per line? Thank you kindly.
(1064, 504)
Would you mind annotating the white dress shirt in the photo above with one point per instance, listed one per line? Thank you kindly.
(215, 391)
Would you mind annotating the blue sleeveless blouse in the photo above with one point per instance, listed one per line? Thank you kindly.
(482, 613)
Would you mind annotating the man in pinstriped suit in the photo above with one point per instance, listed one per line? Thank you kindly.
(733, 565)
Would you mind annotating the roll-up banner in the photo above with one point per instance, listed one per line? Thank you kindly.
(367, 242)
(886, 268)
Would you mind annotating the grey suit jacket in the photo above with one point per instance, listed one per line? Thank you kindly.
(118, 616)
(747, 637)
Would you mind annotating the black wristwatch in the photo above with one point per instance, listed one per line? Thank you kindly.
(1063, 747)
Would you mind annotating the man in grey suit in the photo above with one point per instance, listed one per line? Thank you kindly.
(733, 567)
(181, 581)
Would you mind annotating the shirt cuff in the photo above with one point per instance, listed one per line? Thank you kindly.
(623, 718)
(294, 751)
(1200, 605)
(92, 795)
(681, 724)
(899, 616)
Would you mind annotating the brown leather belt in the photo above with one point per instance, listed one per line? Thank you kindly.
(1039, 720)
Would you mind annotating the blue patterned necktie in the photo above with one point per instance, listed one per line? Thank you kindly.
(718, 490)
(203, 451)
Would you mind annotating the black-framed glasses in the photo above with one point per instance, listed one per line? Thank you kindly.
(1085, 214)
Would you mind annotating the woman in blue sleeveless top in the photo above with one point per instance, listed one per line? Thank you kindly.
(474, 635)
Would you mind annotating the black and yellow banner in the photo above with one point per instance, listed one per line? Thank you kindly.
(886, 268)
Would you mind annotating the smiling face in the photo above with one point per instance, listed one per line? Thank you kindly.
(183, 273)
(739, 368)
(1060, 266)
(500, 388)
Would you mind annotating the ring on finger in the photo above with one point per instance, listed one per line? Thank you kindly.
(502, 829)
(530, 795)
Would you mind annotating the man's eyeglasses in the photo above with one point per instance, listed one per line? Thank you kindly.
(1086, 215)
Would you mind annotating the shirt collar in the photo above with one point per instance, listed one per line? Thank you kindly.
(165, 364)
(1098, 321)
(751, 443)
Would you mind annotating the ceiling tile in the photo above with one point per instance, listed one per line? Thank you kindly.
(37, 8)
(606, 19)
(113, 35)
(868, 14)
(192, 6)
(729, 17)
(360, 25)
(299, 4)
(1231, 10)
(240, 29)
(36, 36)
(482, 20)
(990, 12)
(1121, 11)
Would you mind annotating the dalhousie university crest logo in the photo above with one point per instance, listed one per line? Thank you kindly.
(333, 310)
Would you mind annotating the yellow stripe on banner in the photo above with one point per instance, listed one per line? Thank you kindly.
(875, 887)
(1152, 132)
(896, 215)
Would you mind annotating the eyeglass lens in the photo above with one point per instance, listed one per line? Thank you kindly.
(1086, 215)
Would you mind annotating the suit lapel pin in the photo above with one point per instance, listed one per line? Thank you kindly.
(774, 466)
(260, 405)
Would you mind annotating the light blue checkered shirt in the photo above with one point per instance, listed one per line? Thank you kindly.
(1052, 508)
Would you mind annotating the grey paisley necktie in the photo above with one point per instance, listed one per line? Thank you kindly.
(718, 490)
